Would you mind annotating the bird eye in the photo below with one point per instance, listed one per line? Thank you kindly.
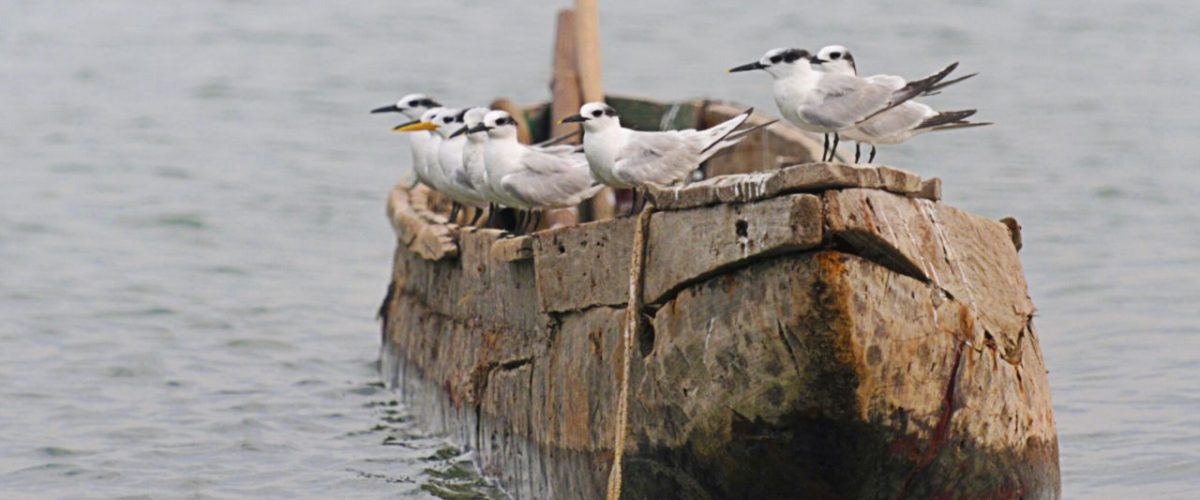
(413, 104)
(776, 59)
(835, 55)
(597, 113)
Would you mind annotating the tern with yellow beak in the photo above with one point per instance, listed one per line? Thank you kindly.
(413, 106)
(425, 148)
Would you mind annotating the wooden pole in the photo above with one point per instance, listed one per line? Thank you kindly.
(587, 30)
(564, 85)
(591, 85)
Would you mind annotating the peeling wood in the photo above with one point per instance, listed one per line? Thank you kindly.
(512, 249)
(1014, 231)
(809, 177)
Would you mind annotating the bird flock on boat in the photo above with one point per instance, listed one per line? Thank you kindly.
(473, 156)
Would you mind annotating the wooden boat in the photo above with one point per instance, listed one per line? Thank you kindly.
(781, 329)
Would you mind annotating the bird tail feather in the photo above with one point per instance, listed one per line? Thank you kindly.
(945, 117)
(722, 130)
(937, 89)
(737, 137)
(958, 125)
(914, 89)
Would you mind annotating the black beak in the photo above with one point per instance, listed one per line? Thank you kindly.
(459, 132)
(748, 67)
(405, 124)
(816, 60)
(576, 118)
(387, 109)
(478, 128)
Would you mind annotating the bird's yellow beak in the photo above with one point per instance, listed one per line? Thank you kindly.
(414, 126)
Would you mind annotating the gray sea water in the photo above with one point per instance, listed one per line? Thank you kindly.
(192, 240)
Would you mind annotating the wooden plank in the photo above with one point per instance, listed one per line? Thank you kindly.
(583, 266)
(931, 189)
(970, 257)
(512, 249)
(733, 235)
(407, 212)
(810, 177)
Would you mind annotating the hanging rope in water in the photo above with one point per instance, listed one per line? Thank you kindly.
(632, 329)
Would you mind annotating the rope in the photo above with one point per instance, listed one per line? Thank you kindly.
(632, 329)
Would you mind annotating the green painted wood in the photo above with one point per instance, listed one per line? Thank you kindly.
(638, 114)
(538, 117)
(641, 114)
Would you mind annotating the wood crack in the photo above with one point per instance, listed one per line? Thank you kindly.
(940, 431)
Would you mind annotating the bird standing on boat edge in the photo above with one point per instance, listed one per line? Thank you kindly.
(625, 158)
(831, 103)
(898, 124)
(450, 159)
(528, 177)
(425, 146)
(436, 125)
(413, 106)
(472, 154)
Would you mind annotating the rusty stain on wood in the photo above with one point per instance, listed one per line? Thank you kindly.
(887, 335)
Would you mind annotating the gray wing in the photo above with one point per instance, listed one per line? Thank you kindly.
(563, 149)
(846, 101)
(544, 163)
(900, 119)
(890, 81)
(463, 179)
(659, 157)
(550, 181)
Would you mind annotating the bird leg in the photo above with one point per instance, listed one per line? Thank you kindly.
(453, 212)
(478, 214)
(833, 150)
(518, 220)
(537, 220)
(872, 158)
(857, 151)
(825, 149)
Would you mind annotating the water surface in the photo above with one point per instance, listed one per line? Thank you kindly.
(192, 243)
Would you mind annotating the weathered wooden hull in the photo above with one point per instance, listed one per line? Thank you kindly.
(818, 331)
(823, 331)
